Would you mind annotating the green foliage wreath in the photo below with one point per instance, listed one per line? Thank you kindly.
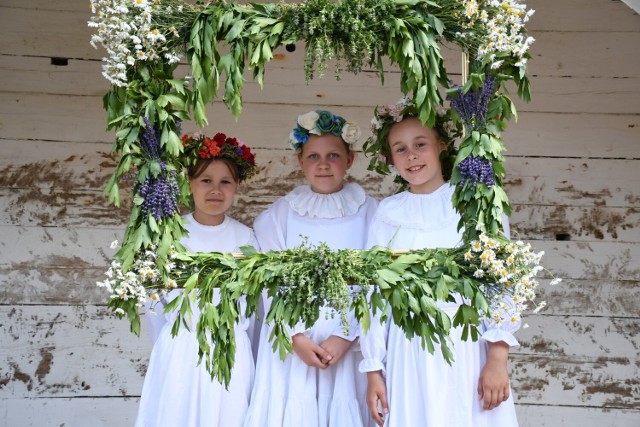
(146, 104)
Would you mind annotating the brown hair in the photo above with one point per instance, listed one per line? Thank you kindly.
(196, 169)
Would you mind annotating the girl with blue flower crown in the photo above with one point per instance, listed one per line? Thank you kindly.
(319, 384)
(177, 391)
(408, 386)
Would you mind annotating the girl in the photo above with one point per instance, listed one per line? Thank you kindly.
(422, 389)
(177, 391)
(319, 384)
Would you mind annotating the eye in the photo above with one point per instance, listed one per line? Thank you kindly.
(312, 156)
(225, 181)
(334, 156)
(399, 149)
(206, 180)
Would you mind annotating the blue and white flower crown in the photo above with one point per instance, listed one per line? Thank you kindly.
(320, 122)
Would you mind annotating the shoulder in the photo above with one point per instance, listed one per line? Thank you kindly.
(242, 233)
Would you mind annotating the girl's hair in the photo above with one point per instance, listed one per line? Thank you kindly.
(347, 146)
(386, 116)
(196, 169)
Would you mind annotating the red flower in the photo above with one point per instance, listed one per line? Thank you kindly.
(185, 138)
(204, 153)
(214, 150)
(233, 141)
(246, 153)
(220, 138)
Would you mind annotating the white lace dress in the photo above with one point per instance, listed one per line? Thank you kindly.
(290, 393)
(422, 389)
(178, 392)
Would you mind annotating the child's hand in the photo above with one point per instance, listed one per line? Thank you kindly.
(377, 391)
(310, 353)
(493, 385)
(336, 346)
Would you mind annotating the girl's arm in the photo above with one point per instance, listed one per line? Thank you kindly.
(493, 385)
(377, 393)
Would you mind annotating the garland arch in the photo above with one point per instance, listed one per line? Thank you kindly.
(146, 105)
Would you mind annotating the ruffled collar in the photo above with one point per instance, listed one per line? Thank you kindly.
(425, 212)
(306, 202)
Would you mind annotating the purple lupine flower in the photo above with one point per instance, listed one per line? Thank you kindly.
(473, 106)
(150, 143)
(160, 195)
(476, 169)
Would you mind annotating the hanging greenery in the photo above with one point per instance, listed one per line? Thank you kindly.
(146, 105)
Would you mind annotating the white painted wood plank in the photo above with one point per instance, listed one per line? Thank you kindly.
(591, 260)
(70, 412)
(558, 53)
(532, 415)
(42, 273)
(574, 182)
(583, 297)
(288, 86)
(39, 117)
(575, 223)
(580, 337)
(67, 351)
(567, 381)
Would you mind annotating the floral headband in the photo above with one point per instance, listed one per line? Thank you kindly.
(386, 116)
(198, 147)
(320, 122)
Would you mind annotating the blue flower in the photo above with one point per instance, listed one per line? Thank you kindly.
(301, 134)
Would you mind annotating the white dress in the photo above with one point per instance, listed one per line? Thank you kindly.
(178, 392)
(422, 389)
(290, 393)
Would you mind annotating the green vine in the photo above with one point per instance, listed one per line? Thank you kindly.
(147, 104)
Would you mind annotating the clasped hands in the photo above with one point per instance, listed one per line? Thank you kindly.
(322, 355)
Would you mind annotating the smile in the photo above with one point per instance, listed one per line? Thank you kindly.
(415, 168)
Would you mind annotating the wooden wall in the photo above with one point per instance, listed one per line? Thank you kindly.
(573, 179)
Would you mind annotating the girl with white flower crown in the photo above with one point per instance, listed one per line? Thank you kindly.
(177, 391)
(408, 386)
(319, 384)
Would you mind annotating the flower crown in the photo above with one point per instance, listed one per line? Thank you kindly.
(320, 122)
(386, 116)
(198, 147)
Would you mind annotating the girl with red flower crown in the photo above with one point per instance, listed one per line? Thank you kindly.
(177, 391)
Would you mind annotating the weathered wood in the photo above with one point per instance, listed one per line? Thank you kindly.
(607, 382)
(583, 297)
(288, 86)
(575, 337)
(66, 351)
(586, 223)
(39, 117)
(61, 351)
(70, 411)
(541, 415)
(575, 53)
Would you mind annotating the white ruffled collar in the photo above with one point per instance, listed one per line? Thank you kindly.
(425, 212)
(306, 202)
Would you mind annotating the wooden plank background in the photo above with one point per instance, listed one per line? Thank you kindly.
(573, 179)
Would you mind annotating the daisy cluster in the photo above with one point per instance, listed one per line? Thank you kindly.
(509, 268)
(501, 24)
(127, 31)
(143, 281)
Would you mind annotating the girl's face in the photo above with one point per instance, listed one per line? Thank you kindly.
(325, 160)
(415, 152)
(213, 192)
